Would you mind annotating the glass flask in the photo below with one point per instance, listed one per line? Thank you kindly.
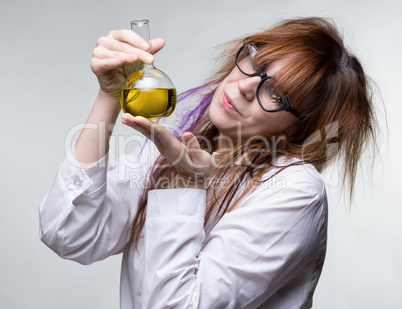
(147, 92)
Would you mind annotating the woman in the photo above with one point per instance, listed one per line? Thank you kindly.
(234, 213)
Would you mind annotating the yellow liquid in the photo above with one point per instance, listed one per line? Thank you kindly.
(149, 103)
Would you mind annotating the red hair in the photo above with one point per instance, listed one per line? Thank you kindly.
(322, 80)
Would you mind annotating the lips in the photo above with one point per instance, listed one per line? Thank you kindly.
(228, 103)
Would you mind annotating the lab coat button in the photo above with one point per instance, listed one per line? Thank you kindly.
(77, 182)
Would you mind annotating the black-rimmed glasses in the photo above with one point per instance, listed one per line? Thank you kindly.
(269, 100)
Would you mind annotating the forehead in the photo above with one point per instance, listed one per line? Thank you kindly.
(275, 66)
(272, 68)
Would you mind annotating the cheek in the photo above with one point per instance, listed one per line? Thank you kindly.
(215, 101)
(276, 123)
(215, 112)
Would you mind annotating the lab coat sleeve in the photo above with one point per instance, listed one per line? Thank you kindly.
(87, 214)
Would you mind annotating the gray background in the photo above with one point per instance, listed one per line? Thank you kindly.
(47, 89)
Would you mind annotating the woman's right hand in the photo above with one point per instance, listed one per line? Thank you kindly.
(114, 58)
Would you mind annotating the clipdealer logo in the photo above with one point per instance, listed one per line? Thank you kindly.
(129, 163)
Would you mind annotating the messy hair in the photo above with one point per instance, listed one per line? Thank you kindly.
(321, 79)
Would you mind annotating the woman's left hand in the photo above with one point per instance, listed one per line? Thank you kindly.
(192, 163)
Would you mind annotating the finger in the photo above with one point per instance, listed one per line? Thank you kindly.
(100, 66)
(201, 159)
(104, 53)
(169, 146)
(196, 156)
(130, 37)
(156, 45)
(124, 48)
(133, 39)
(191, 141)
(132, 121)
(158, 131)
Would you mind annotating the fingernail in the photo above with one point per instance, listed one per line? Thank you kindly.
(149, 59)
(144, 46)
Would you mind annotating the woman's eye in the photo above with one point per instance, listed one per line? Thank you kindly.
(254, 67)
(276, 97)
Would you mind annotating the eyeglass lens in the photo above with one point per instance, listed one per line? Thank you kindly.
(269, 100)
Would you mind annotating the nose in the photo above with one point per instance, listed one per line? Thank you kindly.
(248, 86)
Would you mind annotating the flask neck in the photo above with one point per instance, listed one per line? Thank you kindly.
(141, 27)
